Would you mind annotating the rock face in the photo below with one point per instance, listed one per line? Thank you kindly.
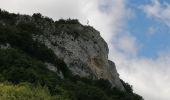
(84, 51)
(81, 47)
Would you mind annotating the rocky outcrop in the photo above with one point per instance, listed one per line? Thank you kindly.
(81, 48)
(114, 76)
(84, 51)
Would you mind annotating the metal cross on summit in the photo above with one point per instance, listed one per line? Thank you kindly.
(87, 22)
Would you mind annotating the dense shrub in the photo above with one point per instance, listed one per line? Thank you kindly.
(37, 16)
(67, 21)
(24, 91)
(28, 27)
(17, 67)
(127, 86)
(9, 18)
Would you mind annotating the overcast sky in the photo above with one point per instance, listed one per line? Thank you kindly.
(137, 32)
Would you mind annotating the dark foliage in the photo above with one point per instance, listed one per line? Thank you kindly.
(67, 21)
(127, 86)
(9, 18)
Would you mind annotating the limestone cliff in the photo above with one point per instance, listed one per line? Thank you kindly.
(83, 50)
(81, 47)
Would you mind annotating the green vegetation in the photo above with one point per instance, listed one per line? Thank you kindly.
(24, 74)
(9, 18)
(24, 91)
(68, 21)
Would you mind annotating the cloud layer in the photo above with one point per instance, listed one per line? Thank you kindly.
(100, 13)
(158, 11)
(150, 77)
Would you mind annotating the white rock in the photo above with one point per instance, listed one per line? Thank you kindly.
(84, 51)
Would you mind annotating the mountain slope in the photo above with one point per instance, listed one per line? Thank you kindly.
(65, 56)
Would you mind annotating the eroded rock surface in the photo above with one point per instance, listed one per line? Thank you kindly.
(81, 48)
(84, 51)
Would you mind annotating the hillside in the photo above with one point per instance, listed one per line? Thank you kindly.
(62, 60)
